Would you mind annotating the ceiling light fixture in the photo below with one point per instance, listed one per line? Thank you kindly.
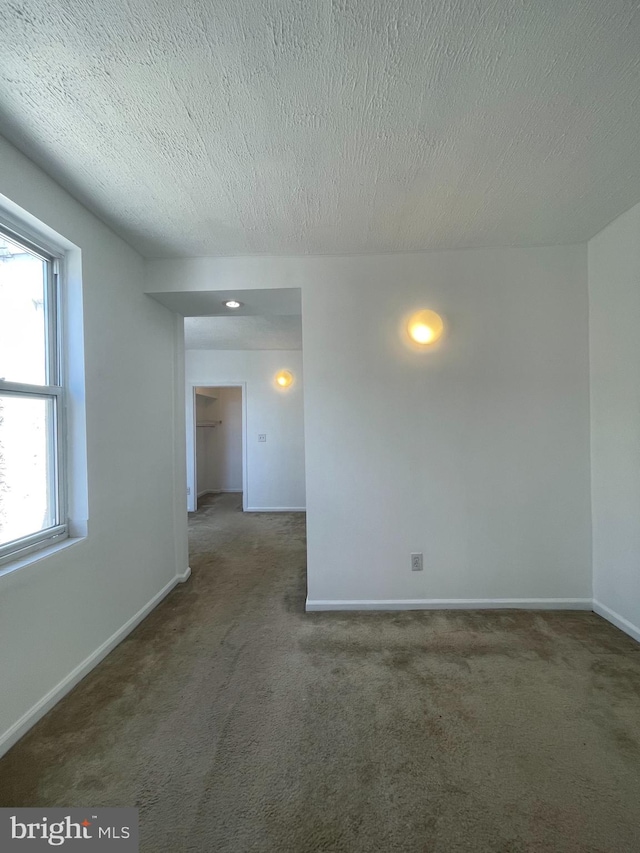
(233, 303)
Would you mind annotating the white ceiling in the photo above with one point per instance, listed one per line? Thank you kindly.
(239, 333)
(328, 126)
(272, 301)
(267, 319)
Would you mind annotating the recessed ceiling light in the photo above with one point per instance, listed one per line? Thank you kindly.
(233, 303)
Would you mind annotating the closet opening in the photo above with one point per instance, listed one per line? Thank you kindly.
(219, 443)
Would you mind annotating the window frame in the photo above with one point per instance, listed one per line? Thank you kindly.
(54, 390)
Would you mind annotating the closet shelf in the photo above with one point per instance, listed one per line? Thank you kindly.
(208, 423)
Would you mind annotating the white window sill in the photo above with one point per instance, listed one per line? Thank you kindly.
(36, 556)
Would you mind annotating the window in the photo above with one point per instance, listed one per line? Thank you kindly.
(32, 482)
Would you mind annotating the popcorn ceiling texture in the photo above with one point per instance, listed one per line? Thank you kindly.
(353, 126)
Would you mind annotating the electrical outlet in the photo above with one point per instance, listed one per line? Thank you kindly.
(416, 562)
(188, 490)
(262, 436)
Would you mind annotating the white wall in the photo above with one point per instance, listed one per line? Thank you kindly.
(59, 614)
(614, 293)
(476, 454)
(275, 468)
(219, 448)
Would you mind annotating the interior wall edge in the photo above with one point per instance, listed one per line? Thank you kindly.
(276, 509)
(13, 734)
(453, 604)
(617, 620)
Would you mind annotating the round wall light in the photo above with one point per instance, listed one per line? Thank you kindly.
(284, 378)
(425, 328)
(233, 303)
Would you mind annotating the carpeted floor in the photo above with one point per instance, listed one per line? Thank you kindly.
(237, 723)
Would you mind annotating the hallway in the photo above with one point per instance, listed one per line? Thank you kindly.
(237, 723)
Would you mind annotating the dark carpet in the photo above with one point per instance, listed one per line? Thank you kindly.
(237, 723)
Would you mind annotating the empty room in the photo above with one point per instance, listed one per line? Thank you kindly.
(320, 426)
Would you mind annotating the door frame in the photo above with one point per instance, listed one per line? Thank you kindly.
(192, 469)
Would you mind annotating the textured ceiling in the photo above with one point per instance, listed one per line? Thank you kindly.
(284, 333)
(329, 126)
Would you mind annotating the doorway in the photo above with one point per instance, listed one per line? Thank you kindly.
(218, 463)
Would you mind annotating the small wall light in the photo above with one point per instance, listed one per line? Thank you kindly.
(284, 378)
(425, 327)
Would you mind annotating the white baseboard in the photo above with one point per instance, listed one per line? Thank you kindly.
(617, 620)
(276, 509)
(37, 711)
(454, 604)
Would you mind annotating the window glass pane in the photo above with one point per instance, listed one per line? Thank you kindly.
(27, 472)
(22, 320)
